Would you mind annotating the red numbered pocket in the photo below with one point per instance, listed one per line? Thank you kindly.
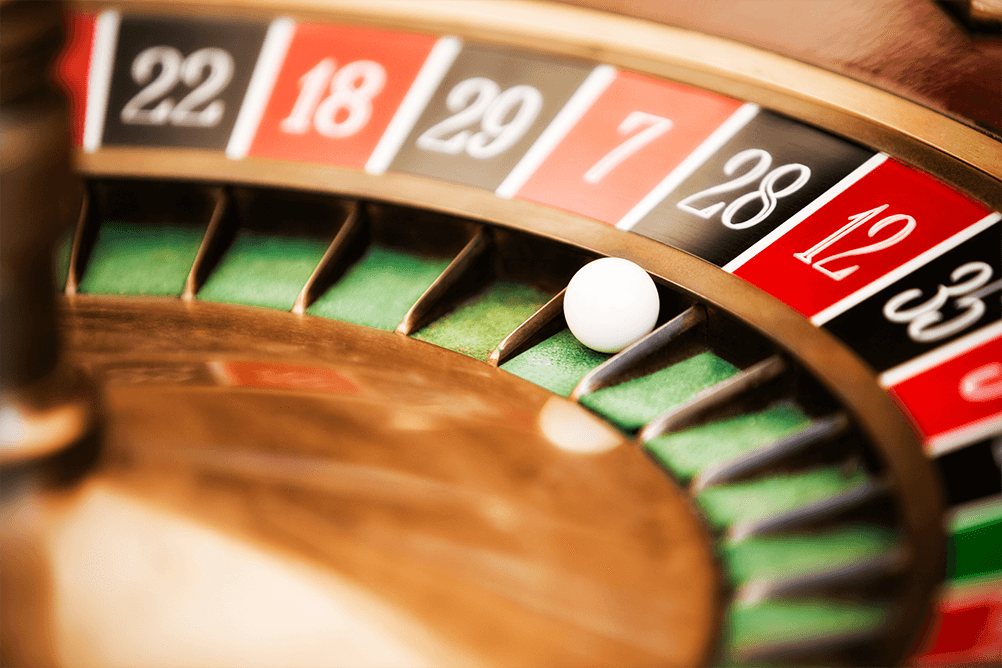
(337, 91)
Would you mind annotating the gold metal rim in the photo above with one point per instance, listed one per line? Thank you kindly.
(386, 371)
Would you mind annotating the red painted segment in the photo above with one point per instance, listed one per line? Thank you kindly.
(337, 91)
(285, 377)
(71, 67)
(692, 116)
(966, 631)
(958, 392)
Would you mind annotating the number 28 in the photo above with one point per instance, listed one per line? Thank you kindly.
(766, 195)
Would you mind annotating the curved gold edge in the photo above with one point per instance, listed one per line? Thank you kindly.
(850, 380)
(965, 157)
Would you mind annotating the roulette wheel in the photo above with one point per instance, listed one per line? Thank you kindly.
(318, 403)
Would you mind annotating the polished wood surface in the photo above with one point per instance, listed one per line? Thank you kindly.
(467, 516)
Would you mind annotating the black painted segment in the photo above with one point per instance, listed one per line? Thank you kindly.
(787, 142)
(885, 343)
(556, 79)
(973, 472)
(241, 40)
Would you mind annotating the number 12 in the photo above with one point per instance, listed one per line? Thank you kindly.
(859, 219)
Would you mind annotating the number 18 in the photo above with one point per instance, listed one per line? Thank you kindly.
(351, 91)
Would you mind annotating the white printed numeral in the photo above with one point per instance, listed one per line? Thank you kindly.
(983, 383)
(656, 126)
(854, 222)
(346, 109)
(480, 99)
(922, 319)
(766, 194)
(174, 69)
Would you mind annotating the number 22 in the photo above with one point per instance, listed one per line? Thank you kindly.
(175, 68)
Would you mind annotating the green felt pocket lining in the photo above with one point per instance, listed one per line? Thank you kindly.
(790, 555)
(688, 452)
(379, 289)
(133, 259)
(477, 326)
(267, 271)
(734, 503)
(798, 619)
(556, 364)
(634, 403)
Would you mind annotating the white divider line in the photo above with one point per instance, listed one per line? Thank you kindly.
(102, 58)
(799, 217)
(863, 293)
(425, 84)
(269, 63)
(576, 107)
(934, 358)
(703, 152)
(957, 438)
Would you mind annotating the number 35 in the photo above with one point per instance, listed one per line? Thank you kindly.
(922, 318)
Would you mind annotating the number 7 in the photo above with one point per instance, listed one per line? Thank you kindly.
(656, 126)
